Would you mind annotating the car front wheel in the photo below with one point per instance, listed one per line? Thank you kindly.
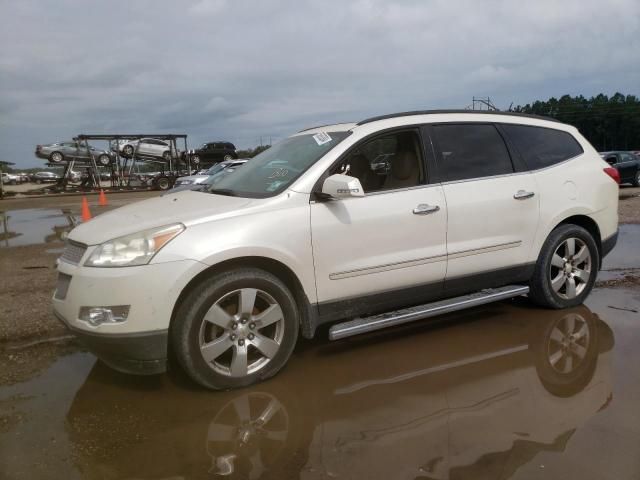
(566, 268)
(636, 179)
(235, 330)
(104, 160)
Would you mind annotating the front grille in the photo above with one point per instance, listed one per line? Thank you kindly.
(73, 252)
(62, 286)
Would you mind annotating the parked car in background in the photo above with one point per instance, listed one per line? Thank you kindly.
(10, 179)
(202, 177)
(626, 163)
(213, 152)
(64, 151)
(45, 177)
(148, 148)
(475, 207)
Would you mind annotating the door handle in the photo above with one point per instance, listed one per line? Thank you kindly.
(523, 195)
(424, 209)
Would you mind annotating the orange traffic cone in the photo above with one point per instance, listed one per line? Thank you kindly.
(102, 199)
(86, 214)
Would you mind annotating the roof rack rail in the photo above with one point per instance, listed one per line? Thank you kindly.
(320, 126)
(430, 112)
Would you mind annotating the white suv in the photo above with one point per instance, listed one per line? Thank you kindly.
(377, 223)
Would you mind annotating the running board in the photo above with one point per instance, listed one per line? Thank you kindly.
(389, 319)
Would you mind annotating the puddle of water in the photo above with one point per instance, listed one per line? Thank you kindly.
(480, 394)
(36, 225)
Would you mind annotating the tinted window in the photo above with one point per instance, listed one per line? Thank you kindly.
(542, 147)
(627, 157)
(471, 151)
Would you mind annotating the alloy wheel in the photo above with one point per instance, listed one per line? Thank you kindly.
(570, 268)
(242, 332)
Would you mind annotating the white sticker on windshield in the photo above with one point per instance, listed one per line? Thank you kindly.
(322, 138)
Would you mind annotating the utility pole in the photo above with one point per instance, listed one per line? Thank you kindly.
(482, 101)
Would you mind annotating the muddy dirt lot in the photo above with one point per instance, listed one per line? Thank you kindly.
(470, 395)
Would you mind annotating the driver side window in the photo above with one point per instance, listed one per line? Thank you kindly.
(388, 162)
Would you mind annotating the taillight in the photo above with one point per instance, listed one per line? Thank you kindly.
(613, 173)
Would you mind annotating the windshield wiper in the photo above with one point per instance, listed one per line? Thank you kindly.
(223, 191)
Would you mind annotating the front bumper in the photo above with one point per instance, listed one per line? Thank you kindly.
(142, 353)
(139, 344)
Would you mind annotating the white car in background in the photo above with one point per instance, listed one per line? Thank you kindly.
(199, 178)
(148, 147)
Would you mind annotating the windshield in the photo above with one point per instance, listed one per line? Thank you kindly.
(273, 170)
(216, 168)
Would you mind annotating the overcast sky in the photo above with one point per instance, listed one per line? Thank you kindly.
(238, 70)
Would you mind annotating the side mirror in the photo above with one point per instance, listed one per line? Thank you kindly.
(342, 186)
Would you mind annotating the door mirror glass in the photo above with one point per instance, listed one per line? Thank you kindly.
(342, 186)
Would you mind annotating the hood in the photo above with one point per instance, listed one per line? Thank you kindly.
(194, 178)
(183, 207)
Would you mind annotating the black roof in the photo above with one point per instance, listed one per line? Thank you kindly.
(430, 112)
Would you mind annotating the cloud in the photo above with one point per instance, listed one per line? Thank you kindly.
(242, 70)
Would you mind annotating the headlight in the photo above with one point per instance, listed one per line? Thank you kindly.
(135, 249)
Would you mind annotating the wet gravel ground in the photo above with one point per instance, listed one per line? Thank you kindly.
(469, 396)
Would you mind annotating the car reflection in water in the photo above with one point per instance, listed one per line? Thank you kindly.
(477, 394)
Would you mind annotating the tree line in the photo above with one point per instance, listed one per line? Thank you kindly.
(609, 123)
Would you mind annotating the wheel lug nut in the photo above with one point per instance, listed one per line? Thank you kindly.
(234, 325)
(251, 336)
(243, 321)
(241, 342)
(252, 325)
(233, 337)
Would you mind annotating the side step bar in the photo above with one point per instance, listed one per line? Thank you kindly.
(406, 315)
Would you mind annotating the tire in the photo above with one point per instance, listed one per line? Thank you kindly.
(237, 334)
(195, 159)
(166, 155)
(56, 157)
(636, 179)
(127, 150)
(228, 157)
(566, 352)
(104, 160)
(563, 278)
(163, 183)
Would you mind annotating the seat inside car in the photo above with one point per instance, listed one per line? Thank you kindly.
(405, 171)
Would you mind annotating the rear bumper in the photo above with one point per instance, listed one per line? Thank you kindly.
(142, 353)
(609, 243)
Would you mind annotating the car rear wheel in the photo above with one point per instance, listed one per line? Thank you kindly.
(236, 330)
(56, 157)
(636, 179)
(566, 268)
(195, 159)
(128, 150)
(163, 183)
(166, 155)
(228, 157)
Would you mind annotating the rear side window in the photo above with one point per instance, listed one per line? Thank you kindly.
(471, 151)
(542, 147)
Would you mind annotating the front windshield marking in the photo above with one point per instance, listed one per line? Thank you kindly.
(273, 170)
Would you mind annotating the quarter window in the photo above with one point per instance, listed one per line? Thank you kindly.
(471, 151)
(542, 147)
